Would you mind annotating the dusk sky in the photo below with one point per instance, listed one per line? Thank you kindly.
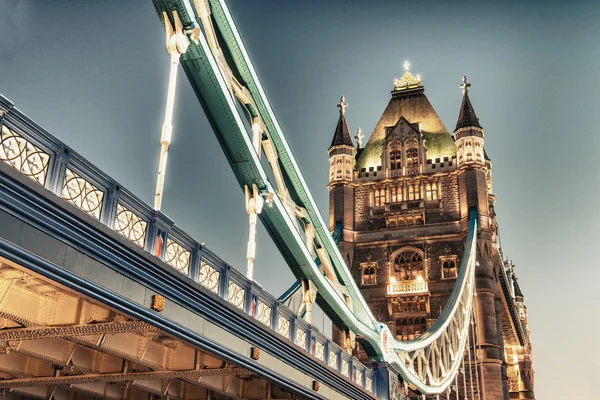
(94, 74)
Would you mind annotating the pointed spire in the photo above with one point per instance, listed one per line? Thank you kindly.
(342, 135)
(466, 117)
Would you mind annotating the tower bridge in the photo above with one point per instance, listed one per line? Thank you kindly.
(103, 296)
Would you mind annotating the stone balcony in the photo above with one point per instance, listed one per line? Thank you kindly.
(408, 287)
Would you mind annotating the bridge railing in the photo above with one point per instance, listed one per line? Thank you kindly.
(41, 157)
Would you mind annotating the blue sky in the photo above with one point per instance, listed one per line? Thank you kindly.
(94, 74)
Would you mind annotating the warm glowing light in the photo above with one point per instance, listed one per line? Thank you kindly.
(392, 279)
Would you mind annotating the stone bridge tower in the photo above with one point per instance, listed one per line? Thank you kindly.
(402, 203)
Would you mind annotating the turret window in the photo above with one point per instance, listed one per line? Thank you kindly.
(408, 265)
(431, 191)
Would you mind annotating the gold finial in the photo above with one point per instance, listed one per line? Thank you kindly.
(406, 66)
(464, 85)
(359, 137)
(408, 80)
(342, 106)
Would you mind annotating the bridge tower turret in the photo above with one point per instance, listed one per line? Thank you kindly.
(474, 181)
(342, 155)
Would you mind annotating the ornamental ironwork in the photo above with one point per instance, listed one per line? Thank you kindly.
(368, 384)
(358, 376)
(130, 225)
(236, 294)
(209, 277)
(300, 338)
(82, 194)
(177, 256)
(333, 359)
(283, 326)
(345, 368)
(320, 351)
(263, 313)
(26, 158)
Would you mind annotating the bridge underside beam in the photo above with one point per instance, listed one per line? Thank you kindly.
(55, 343)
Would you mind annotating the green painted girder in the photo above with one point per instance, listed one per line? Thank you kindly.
(226, 117)
(231, 125)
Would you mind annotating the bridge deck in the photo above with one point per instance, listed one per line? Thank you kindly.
(94, 241)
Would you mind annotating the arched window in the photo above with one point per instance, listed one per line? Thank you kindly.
(408, 265)
(412, 157)
(396, 158)
(396, 194)
(414, 191)
(448, 268)
(379, 197)
(431, 192)
(369, 277)
(338, 168)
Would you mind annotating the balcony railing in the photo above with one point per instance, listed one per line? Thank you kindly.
(405, 287)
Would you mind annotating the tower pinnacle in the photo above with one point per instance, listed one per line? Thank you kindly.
(466, 116)
(408, 80)
(342, 135)
(464, 85)
(342, 106)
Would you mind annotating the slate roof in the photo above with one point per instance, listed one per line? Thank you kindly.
(341, 135)
(467, 117)
(415, 107)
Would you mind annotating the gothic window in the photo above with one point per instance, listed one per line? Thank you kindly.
(396, 194)
(338, 168)
(348, 169)
(448, 267)
(408, 265)
(414, 192)
(410, 328)
(395, 158)
(369, 275)
(412, 157)
(379, 197)
(431, 191)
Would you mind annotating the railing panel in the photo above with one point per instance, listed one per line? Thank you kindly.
(130, 225)
(236, 295)
(82, 193)
(24, 156)
(210, 277)
(177, 256)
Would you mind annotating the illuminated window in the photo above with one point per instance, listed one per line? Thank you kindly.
(396, 159)
(408, 265)
(448, 267)
(396, 194)
(431, 192)
(410, 328)
(369, 275)
(379, 197)
(414, 191)
(412, 157)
